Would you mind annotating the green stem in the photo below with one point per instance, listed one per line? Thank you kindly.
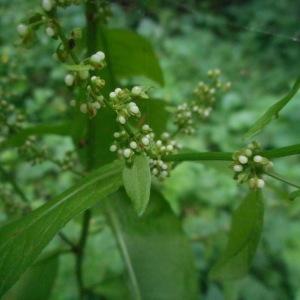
(279, 178)
(80, 251)
(282, 152)
(116, 227)
(198, 156)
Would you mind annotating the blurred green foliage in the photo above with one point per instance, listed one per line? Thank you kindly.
(256, 44)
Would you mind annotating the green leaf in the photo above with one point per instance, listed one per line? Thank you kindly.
(155, 114)
(131, 55)
(273, 111)
(294, 195)
(37, 282)
(137, 183)
(156, 252)
(243, 239)
(22, 241)
(38, 130)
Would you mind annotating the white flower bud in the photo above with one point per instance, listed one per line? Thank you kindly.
(154, 171)
(146, 127)
(258, 158)
(97, 58)
(113, 148)
(47, 5)
(83, 108)
(97, 105)
(237, 168)
(69, 79)
(118, 91)
(133, 145)
(260, 183)
(22, 30)
(158, 143)
(164, 174)
(137, 90)
(145, 140)
(127, 152)
(116, 135)
(50, 31)
(164, 166)
(243, 159)
(121, 119)
(248, 152)
(112, 95)
(165, 135)
(170, 147)
(133, 108)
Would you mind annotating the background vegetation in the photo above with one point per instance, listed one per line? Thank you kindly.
(256, 44)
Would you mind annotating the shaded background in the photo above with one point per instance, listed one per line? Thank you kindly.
(256, 45)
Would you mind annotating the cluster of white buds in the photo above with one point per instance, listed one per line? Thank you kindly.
(249, 166)
(188, 114)
(127, 147)
(11, 119)
(207, 93)
(123, 102)
(184, 119)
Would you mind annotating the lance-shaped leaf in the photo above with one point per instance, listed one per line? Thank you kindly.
(21, 241)
(137, 182)
(37, 282)
(156, 253)
(273, 111)
(243, 239)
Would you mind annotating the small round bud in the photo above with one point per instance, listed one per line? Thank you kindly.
(69, 79)
(22, 30)
(158, 143)
(243, 159)
(83, 108)
(170, 147)
(127, 152)
(97, 105)
(116, 135)
(237, 168)
(47, 5)
(121, 119)
(165, 135)
(248, 152)
(260, 183)
(146, 127)
(154, 171)
(145, 141)
(113, 148)
(137, 90)
(118, 91)
(133, 108)
(50, 31)
(258, 158)
(112, 95)
(164, 174)
(97, 58)
(133, 145)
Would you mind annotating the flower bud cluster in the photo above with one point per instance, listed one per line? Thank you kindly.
(188, 114)
(144, 141)
(11, 119)
(249, 166)
(123, 102)
(207, 93)
(93, 85)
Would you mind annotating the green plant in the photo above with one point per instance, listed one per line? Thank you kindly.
(107, 122)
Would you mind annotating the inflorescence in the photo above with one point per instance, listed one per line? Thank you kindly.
(249, 166)
(84, 80)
